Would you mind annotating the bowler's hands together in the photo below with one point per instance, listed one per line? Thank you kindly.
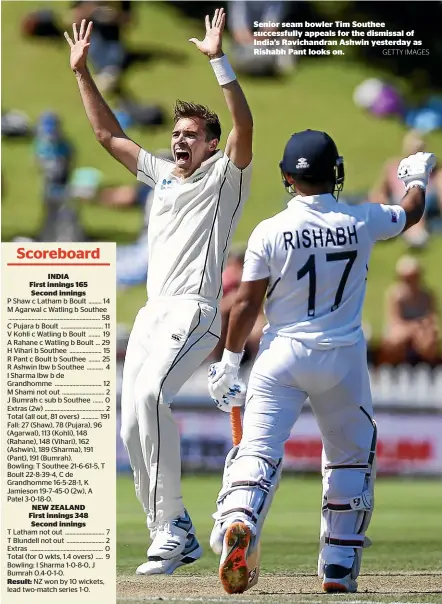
(212, 43)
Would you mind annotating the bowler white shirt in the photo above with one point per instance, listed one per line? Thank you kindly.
(316, 254)
(191, 223)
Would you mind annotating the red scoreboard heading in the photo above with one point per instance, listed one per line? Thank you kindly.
(57, 254)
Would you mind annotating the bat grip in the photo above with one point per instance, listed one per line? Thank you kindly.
(235, 420)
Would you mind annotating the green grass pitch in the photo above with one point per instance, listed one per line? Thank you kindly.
(405, 530)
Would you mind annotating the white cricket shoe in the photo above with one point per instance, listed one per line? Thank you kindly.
(168, 545)
(170, 538)
(338, 579)
(191, 553)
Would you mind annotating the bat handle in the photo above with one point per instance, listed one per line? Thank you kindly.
(253, 562)
(235, 419)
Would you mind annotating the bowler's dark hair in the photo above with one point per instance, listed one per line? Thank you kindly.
(192, 110)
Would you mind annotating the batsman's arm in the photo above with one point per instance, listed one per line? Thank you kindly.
(385, 222)
(414, 171)
(256, 277)
(413, 203)
(107, 130)
(244, 313)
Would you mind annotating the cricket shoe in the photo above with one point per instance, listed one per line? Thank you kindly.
(191, 553)
(217, 535)
(217, 538)
(338, 579)
(170, 540)
(233, 570)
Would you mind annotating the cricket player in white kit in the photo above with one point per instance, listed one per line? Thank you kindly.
(310, 263)
(198, 201)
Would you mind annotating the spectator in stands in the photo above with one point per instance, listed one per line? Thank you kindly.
(412, 333)
(132, 259)
(86, 186)
(390, 189)
(231, 280)
(107, 52)
(110, 57)
(123, 196)
(54, 155)
(241, 16)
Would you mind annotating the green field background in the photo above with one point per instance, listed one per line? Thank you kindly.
(36, 77)
(405, 528)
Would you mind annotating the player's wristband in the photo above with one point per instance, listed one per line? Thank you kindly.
(415, 183)
(232, 358)
(223, 70)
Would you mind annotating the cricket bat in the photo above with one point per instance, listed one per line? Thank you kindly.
(254, 559)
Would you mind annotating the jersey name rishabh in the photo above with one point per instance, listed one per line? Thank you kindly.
(320, 237)
(315, 255)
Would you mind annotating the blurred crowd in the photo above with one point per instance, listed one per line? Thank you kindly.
(389, 190)
(411, 332)
(411, 318)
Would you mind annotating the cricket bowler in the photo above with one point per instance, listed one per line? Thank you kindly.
(310, 264)
(198, 201)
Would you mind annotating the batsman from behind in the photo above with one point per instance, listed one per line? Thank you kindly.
(310, 263)
(197, 203)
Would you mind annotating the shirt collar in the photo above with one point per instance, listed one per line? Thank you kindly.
(322, 199)
(206, 164)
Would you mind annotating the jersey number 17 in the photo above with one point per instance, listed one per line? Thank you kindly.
(309, 269)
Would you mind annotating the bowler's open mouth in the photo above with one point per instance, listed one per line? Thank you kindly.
(182, 155)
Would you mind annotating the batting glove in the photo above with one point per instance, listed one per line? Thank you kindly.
(225, 387)
(415, 169)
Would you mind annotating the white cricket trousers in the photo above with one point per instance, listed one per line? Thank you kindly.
(170, 339)
(285, 373)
